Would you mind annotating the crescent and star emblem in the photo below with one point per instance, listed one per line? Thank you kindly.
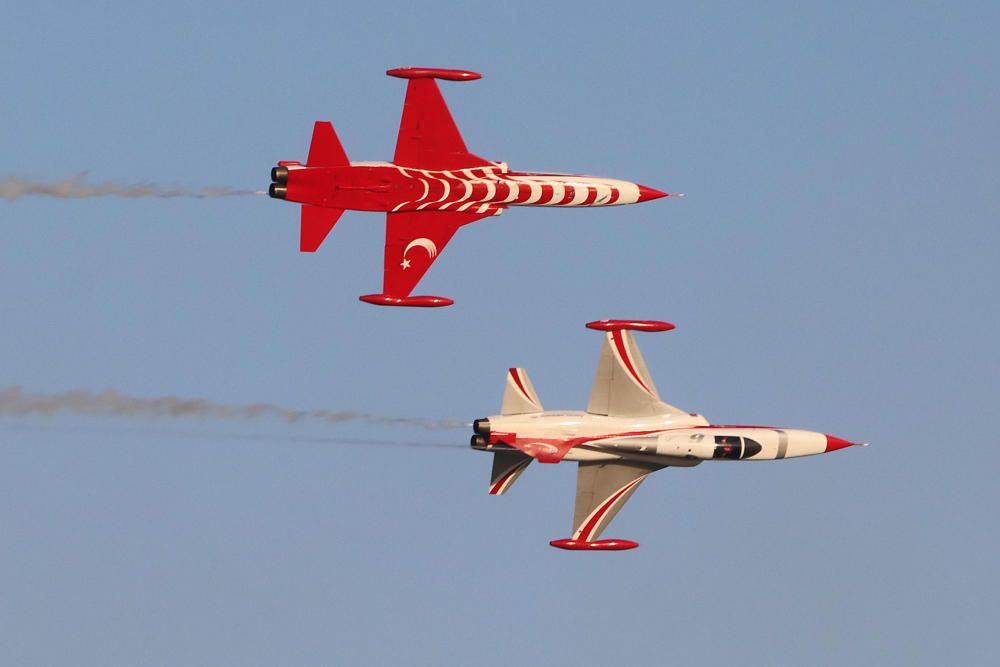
(422, 242)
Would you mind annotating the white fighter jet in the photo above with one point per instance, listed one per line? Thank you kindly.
(626, 433)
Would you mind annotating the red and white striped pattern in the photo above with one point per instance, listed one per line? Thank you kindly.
(481, 189)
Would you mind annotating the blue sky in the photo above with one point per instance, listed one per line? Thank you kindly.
(832, 267)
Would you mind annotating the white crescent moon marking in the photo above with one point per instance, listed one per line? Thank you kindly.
(424, 243)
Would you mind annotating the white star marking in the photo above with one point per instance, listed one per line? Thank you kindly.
(405, 264)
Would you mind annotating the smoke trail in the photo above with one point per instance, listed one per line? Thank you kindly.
(147, 432)
(17, 403)
(13, 188)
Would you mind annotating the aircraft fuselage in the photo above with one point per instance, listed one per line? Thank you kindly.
(669, 439)
(383, 186)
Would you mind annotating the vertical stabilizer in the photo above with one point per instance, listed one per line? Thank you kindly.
(325, 149)
(519, 395)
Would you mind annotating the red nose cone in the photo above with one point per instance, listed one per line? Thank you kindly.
(834, 443)
(645, 194)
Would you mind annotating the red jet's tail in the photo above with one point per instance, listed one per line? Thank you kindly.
(325, 149)
(317, 221)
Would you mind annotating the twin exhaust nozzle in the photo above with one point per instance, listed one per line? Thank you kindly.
(278, 189)
(482, 433)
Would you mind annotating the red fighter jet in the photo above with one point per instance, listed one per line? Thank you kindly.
(433, 186)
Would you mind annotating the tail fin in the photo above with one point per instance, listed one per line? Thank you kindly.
(519, 395)
(317, 222)
(325, 149)
(507, 467)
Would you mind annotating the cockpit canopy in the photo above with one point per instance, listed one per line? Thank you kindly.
(735, 447)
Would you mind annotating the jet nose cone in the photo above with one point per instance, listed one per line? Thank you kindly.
(646, 194)
(833, 443)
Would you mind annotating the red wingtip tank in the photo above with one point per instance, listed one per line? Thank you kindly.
(434, 73)
(597, 545)
(634, 325)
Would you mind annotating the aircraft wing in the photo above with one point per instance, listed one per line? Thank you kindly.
(601, 490)
(413, 240)
(428, 137)
(623, 386)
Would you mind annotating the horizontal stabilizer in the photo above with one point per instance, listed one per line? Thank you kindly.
(325, 149)
(519, 396)
(317, 222)
(507, 467)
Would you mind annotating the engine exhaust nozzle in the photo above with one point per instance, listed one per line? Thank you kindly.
(279, 175)
(481, 426)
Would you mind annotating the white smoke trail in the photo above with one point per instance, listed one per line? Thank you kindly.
(109, 403)
(13, 188)
(147, 431)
